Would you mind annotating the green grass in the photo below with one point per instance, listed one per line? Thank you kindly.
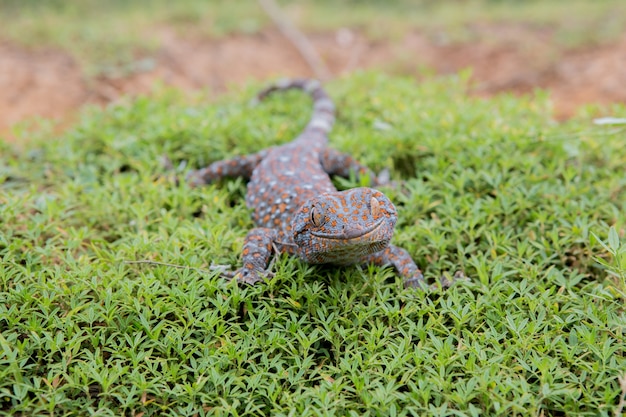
(116, 37)
(492, 187)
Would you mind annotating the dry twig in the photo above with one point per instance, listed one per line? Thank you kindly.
(221, 268)
(297, 38)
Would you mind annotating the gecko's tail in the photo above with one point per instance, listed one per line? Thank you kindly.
(323, 116)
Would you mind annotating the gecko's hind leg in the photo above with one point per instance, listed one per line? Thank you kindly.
(241, 166)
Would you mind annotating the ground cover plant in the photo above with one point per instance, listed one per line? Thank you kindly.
(531, 210)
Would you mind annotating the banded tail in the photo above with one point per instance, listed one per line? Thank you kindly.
(323, 116)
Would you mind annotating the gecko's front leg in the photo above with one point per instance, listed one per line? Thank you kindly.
(257, 251)
(403, 263)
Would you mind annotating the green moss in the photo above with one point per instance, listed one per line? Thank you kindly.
(493, 187)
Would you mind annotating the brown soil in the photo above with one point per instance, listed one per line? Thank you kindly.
(49, 83)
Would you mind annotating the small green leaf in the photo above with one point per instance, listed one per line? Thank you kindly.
(604, 245)
(613, 239)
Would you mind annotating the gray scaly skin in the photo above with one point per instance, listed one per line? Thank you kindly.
(297, 209)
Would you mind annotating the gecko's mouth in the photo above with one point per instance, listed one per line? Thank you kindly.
(353, 234)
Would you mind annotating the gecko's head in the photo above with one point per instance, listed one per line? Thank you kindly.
(344, 226)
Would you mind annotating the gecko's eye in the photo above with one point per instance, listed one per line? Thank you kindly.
(317, 216)
(375, 207)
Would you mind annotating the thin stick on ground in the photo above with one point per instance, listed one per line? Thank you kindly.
(221, 268)
(297, 38)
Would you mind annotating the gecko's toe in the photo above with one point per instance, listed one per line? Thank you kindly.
(194, 179)
(416, 281)
(251, 277)
(447, 282)
(459, 276)
(384, 177)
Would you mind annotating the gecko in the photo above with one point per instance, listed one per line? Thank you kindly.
(296, 208)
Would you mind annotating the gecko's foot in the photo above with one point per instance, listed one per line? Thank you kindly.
(166, 163)
(171, 173)
(251, 276)
(383, 177)
(195, 179)
(446, 282)
(416, 281)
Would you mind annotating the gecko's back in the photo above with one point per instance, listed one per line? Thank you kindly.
(292, 173)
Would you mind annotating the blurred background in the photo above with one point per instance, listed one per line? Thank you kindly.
(57, 56)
